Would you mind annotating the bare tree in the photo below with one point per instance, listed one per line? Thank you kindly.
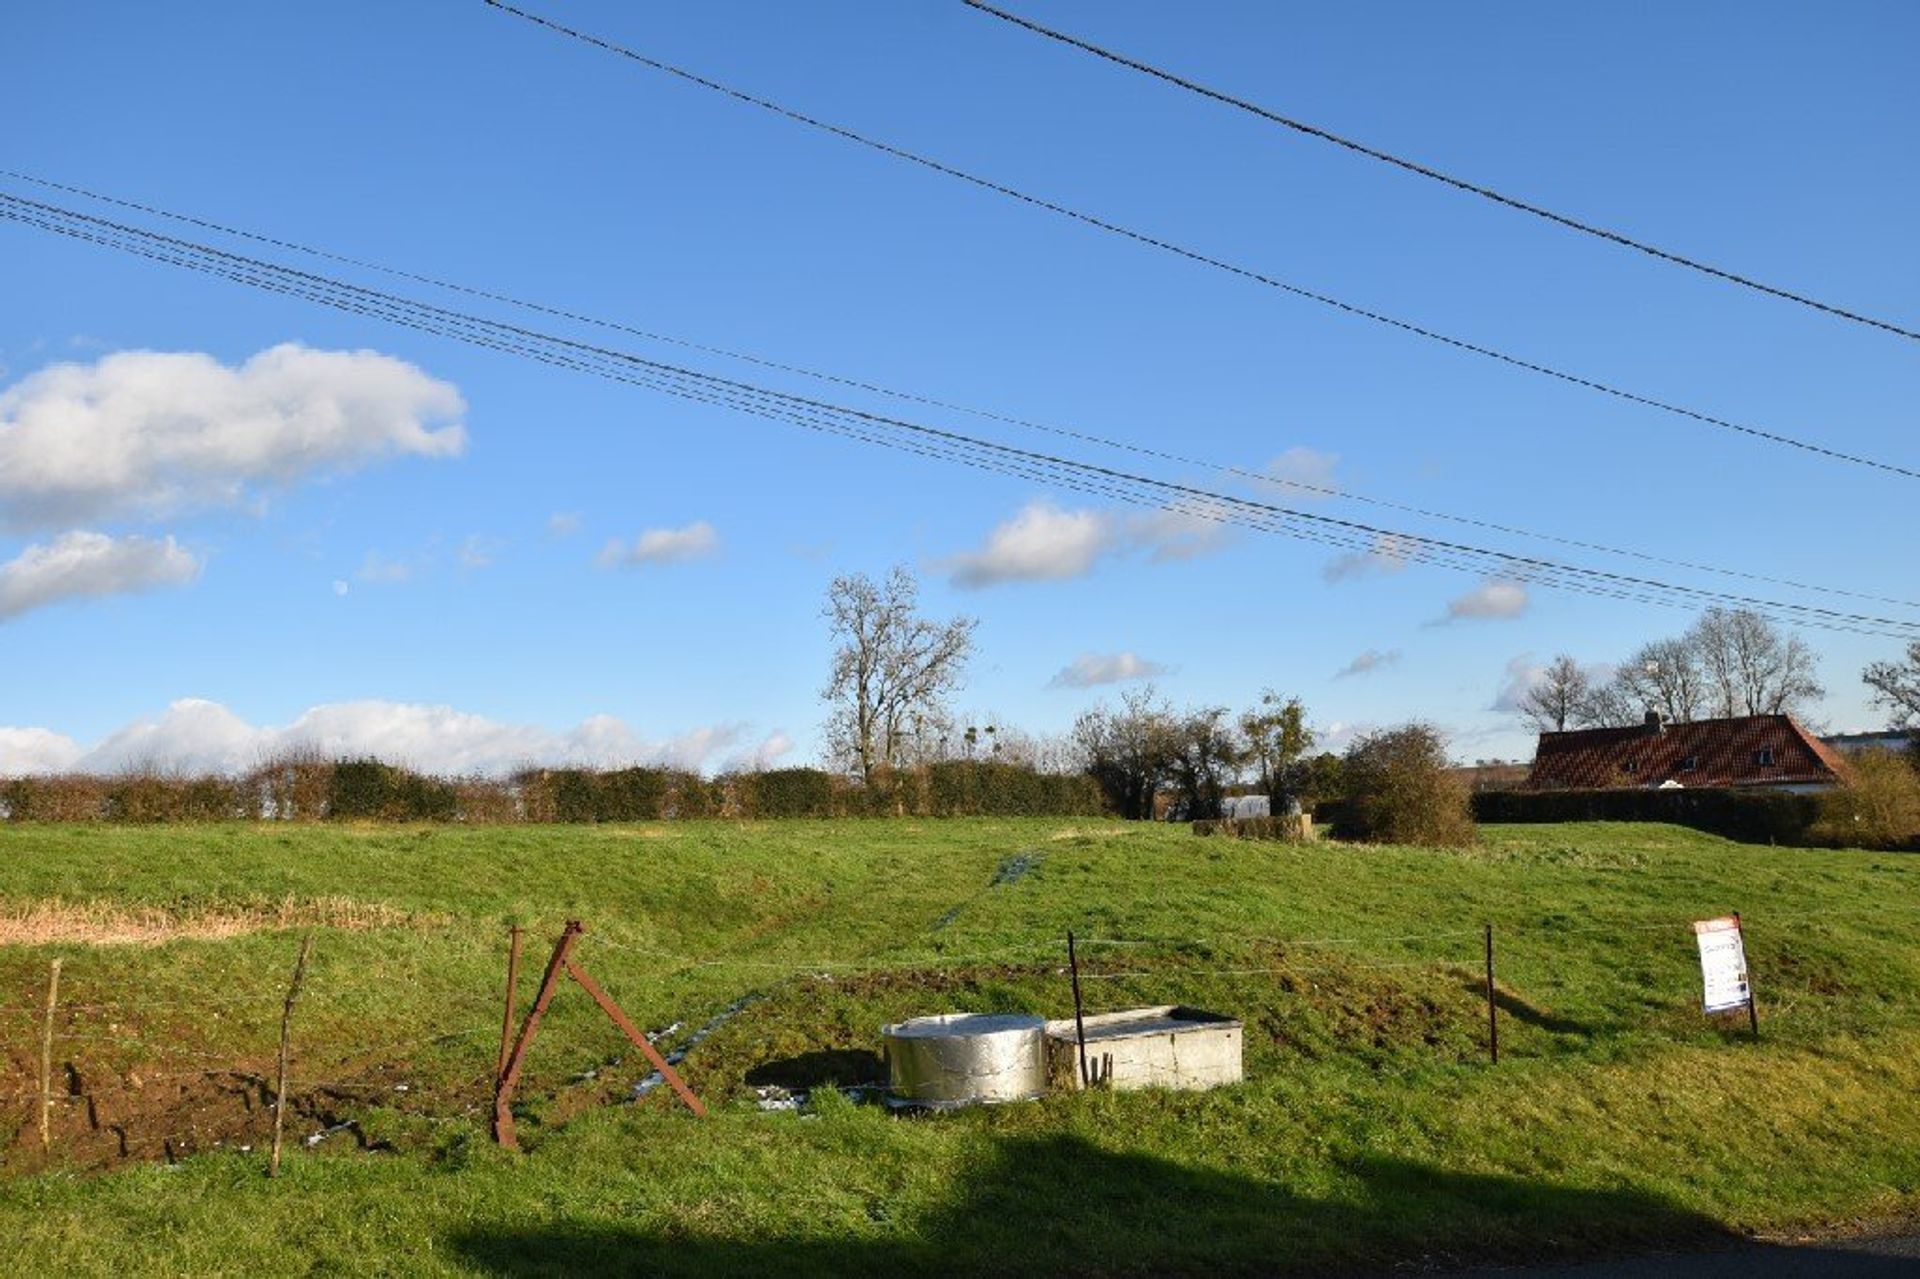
(891, 665)
(1276, 737)
(1750, 668)
(1610, 704)
(1559, 699)
(1896, 686)
(1664, 676)
(1127, 751)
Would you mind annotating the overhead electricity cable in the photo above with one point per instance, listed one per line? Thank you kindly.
(912, 437)
(1142, 450)
(1220, 264)
(1437, 175)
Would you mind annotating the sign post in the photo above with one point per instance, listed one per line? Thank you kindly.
(1723, 968)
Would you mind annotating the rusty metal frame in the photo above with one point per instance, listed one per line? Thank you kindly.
(561, 963)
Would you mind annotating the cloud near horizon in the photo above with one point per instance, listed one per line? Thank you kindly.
(1092, 669)
(85, 565)
(151, 433)
(194, 735)
(1044, 543)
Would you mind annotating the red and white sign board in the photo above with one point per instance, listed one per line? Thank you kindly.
(1723, 963)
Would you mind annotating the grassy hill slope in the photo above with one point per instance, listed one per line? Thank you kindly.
(1371, 1128)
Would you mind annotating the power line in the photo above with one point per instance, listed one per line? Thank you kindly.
(1219, 264)
(1436, 175)
(911, 397)
(912, 437)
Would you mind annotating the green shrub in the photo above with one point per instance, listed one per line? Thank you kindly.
(1879, 807)
(1399, 789)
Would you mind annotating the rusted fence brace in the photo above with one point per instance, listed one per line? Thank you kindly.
(513, 984)
(561, 962)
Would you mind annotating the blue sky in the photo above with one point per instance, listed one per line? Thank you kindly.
(392, 575)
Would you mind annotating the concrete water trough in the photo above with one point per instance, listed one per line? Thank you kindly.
(965, 1059)
(1168, 1046)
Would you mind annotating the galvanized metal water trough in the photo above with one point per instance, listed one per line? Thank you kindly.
(965, 1059)
(1169, 1046)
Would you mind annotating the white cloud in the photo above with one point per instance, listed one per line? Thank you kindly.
(81, 564)
(661, 546)
(1304, 472)
(25, 751)
(149, 432)
(194, 735)
(1090, 669)
(564, 524)
(1174, 535)
(1521, 674)
(378, 568)
(1387, 554)
(477, 552)
(1041, 544)
(340, 587)
(1044, 543)
(1496, 598)
(1339, 735)
(771, 750)
(1368, 662)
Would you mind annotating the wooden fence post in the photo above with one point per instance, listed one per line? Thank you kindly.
(46, 1052)
(286, 1052)
(1493, 1009)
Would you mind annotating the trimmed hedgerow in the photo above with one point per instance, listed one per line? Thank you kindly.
(1751, 817)
(306, 787)
(784, 792)
(368, 790)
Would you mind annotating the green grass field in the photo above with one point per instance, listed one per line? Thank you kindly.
(1371, 1129)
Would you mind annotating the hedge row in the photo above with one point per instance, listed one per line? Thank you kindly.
(1751, 817)
(369, 790)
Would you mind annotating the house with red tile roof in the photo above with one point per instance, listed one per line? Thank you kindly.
(1763, 751)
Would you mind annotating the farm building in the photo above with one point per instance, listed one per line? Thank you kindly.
(1767, 751)
(1893, 739)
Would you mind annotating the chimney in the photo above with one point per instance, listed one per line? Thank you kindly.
(1653, 721)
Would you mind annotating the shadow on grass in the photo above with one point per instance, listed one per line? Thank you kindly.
(1058, 1205)
(826, 1067)
(1520, 1010)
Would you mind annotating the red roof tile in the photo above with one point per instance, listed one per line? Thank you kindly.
(1706, 752)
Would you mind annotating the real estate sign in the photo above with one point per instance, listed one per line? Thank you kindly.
(1723, 963)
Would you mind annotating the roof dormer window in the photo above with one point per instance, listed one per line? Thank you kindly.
(1764, 757)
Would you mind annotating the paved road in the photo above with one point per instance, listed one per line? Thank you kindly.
(1883, 1258)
